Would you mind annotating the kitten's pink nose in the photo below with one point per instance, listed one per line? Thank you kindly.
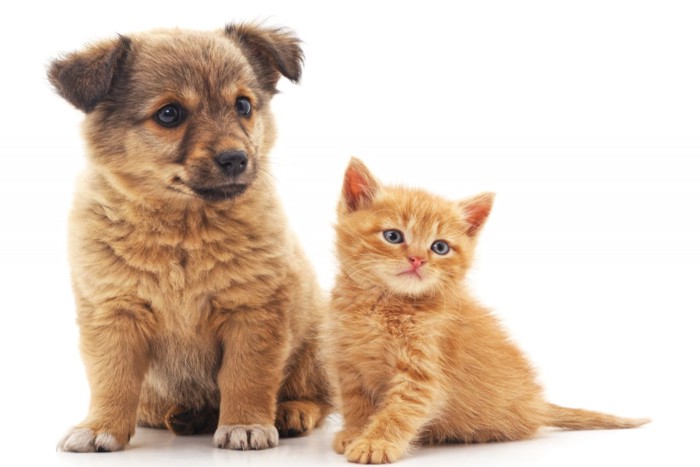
(416, 261)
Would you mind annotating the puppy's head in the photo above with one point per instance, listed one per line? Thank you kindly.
(180, 113)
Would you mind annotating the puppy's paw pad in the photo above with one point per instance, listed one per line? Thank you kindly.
(378, 451)
(295, 418)
(86, 440)
(245, 437)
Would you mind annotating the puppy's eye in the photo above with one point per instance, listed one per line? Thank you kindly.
(243, 107)
(393, 236)
(440, 247)
(170, 115)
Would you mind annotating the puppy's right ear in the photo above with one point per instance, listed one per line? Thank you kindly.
(83, 78)
(359, 187)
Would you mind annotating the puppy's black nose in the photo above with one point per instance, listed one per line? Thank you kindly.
(232, 163)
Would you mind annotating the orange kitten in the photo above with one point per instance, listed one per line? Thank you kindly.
(418, 360)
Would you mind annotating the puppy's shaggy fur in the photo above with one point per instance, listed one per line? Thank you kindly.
(197, 310)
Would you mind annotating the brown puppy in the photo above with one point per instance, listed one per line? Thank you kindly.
(197, 309)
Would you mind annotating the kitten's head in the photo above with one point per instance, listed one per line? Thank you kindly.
(405, 240)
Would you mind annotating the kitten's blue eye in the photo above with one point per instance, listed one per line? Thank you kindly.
(393, 236)
(440, 247)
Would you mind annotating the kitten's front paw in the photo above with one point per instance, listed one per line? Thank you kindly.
(86, 440)
(245, 437)
(378, 451)
(342, 439)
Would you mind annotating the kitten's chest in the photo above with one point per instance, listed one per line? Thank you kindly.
(396, 326)
(390, 339)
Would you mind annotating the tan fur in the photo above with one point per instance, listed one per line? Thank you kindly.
(419, 360)
(191, 307)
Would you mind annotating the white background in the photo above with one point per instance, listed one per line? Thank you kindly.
(584, 117)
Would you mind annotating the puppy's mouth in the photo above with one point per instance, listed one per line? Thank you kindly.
(210, 193)
(220, 193)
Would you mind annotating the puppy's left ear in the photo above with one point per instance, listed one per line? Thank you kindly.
(271, 52)
(84, 78)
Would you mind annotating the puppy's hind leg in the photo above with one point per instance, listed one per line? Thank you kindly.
(185, 421)
(114, 339)
(153, 407)
(182, 419)
(305, 397)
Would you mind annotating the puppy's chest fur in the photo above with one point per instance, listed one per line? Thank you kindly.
(188, 268)
(199, 254)
(178, 262)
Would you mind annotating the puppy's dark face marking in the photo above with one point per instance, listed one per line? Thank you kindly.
(195, 113)
(166, 108)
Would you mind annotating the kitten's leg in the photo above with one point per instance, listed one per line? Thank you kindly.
(357, 408)
(408, 405)
(255, 346)
(114, 340)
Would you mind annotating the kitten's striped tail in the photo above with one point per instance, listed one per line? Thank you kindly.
(579, 419)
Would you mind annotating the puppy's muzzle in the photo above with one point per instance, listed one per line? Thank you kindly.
(232, 163)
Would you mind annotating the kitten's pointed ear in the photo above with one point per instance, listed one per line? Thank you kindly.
(476, 210)
(359, 186)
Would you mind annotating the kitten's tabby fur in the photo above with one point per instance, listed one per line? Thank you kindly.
(418, 360)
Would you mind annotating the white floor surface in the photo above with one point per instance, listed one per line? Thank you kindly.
(645, 446)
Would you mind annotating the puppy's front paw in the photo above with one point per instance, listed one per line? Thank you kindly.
(378, 451)
(86, 440)
(244, 437)
(296, 418)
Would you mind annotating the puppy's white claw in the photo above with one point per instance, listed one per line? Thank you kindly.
(85, 440)
(78, 440)
(245, 437)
